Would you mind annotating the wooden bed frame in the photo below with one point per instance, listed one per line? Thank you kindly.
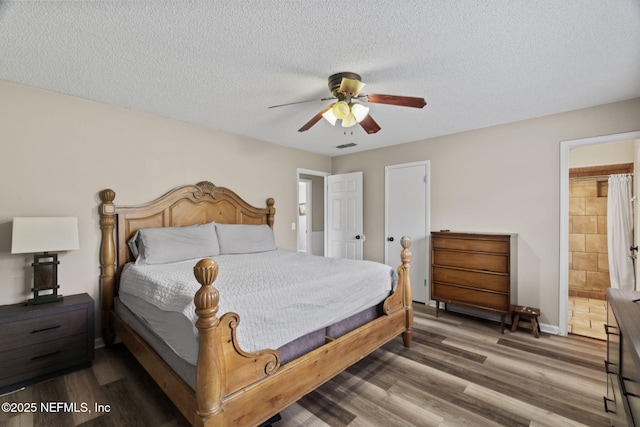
(233, 387)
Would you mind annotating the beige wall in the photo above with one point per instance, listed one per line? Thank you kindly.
(504, 178)
(59, 151)
(610, 153)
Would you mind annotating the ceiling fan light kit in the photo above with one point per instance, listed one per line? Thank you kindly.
(346, 87)
(341, 110)
(350, 114)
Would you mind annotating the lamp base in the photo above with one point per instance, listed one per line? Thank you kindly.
(45, 279)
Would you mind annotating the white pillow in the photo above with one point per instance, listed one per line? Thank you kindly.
(245, 239)
(171, 244)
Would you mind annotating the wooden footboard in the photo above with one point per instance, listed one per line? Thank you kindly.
(233, 387)
(238, 388)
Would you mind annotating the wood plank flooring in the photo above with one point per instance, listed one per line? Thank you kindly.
(460, 371)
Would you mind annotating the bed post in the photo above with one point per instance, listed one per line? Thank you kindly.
(107, 262)
(272, 211)
(209, 372)
(404, 272)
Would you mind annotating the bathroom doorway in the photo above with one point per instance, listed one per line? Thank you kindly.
(585, 167)
(588, 238)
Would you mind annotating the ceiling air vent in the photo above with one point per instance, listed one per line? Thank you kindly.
(351, 144)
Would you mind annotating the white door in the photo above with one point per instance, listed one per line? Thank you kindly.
(407, 213)
(344, 216)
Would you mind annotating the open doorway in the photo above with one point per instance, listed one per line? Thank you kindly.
(589, 267)
(311, 211)
(576, 149)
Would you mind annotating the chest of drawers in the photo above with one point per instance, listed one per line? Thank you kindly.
(622, 401)
(42, 341)
(475, 270)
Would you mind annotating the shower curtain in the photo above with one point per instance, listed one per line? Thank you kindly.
(620, 232)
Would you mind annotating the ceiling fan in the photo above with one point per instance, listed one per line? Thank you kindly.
(345, 88)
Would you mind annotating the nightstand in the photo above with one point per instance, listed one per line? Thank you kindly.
(39, 342)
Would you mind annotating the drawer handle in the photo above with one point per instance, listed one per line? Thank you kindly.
(46, 355)
(606, 408)
(606, 367)
(606, 329)
(45, 329)
(624, 387)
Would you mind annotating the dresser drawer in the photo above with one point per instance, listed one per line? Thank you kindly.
(42, 328)
(473, 279)
(628, 367)
(475, 261)
(630, 379)
(615, 404)
(497, 302)
(472, 245)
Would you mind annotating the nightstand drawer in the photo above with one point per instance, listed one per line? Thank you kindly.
(42, 355)
(32, 331)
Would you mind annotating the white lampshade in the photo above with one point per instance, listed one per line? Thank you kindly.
(359, 111)
(330, 116)
(349, 121)
(44, 234)
(341, 109)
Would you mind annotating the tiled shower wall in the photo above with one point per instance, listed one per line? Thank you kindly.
(588, 255)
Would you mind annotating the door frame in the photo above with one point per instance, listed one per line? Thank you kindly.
(427, 224)
(565, 146)
(308, 214)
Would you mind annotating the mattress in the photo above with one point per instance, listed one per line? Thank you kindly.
(288, 352)
(280, 296)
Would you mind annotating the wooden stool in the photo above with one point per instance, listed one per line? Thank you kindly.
(529, 313)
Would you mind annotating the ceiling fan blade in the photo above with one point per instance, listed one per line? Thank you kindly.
(402, 101)
(369, 125)
(350, 86)
(302, 102)
(314, 120)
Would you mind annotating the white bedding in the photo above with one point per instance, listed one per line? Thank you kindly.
(280, 295)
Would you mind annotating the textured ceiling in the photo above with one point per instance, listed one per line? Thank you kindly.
(220, 64)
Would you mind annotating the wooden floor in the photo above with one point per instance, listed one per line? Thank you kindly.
(460, 371)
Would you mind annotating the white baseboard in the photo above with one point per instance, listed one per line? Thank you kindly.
(544, 327)
(550, 329)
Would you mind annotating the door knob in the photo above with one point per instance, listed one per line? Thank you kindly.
(390, 239)
(358, 237)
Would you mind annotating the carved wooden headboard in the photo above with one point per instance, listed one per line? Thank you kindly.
(187, 205)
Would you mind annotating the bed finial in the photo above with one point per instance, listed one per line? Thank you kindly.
(405, 254)
(272, 211)
(206, 299)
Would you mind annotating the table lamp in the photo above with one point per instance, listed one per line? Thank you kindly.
(40, 236)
